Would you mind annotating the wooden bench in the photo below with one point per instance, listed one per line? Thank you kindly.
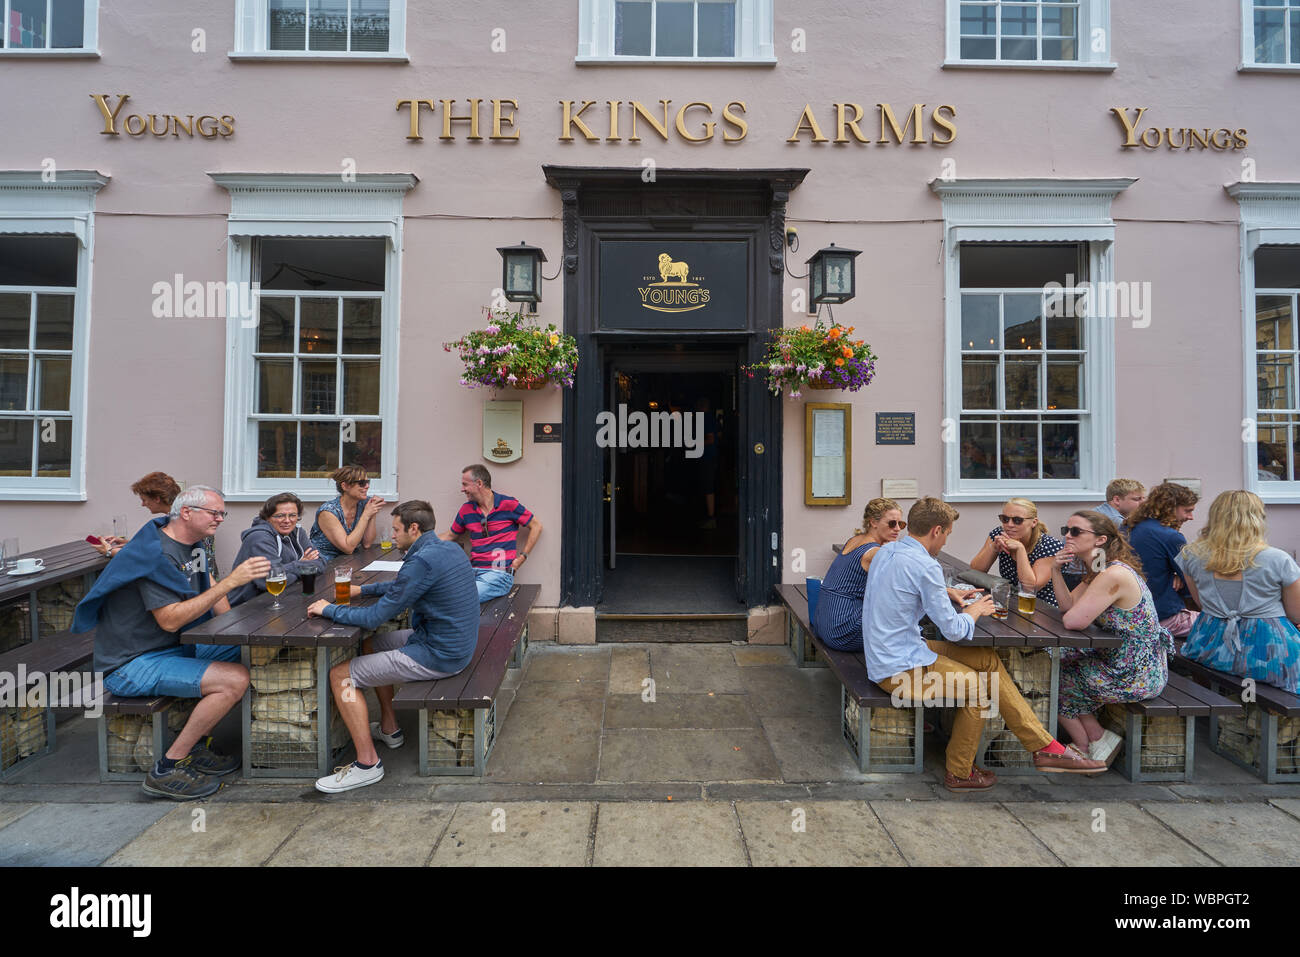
(127, 748)
(458, 714)
(1264, 735)
(881, 737)
(27, 733)
(1160, 733)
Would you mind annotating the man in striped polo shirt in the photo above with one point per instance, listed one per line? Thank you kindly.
(492, 520)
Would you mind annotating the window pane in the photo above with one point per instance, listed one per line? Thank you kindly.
(54, 322)
(361, 326)
(1022, 383)
(1019, 265)
(13, 383)
(318, 325)
(361, 387)
(38, 261)
(717, 29)
(275, 386)
(979, 442)
(1295, 35)
(674, 28)
(1061, 450)
(275, 328)
(632, 29)
(979, 383)
(370, 25)
(287, 29)
(54, 449)
(277, 450)
(1065, 332)
(1273, 323)
(978, 19)
(1019, 20)
(15, 446)
(1270, 41)
(328, 25)
(1277, 267)
(979, 49)
(68, 29)
(320, 449)
(318, 389)
(1060, 22)
(1275, 377)
(1023, 319)
(54, 384)
(1271, 454)
(310, 265)
(15, 320)
(27, 27)
(1019, 49)
(365, 451)
(1019, 450)
(1064, 385)
(1060, 50)
(979, 322)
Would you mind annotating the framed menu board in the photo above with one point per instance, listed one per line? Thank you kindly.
(827, 453)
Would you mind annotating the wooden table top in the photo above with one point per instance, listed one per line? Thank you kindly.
(256, 623)
(69, 560)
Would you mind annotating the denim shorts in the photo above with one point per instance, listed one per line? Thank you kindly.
(492, 583)
(176, 671)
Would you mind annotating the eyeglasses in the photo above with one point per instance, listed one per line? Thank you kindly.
(1074, 531)
(895, 523)
(292, 517)
(1012, 520)
(219, 513)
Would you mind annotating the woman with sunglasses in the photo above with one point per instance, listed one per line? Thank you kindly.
(838, 620)
(1249, 593)
(1115, 595)
(347, 522)
(1023, 549)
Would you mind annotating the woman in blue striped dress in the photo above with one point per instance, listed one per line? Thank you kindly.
(838, 621)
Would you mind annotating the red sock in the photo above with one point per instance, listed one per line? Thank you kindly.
(1054, 748)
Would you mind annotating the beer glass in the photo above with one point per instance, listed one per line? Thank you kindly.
(1025, 602)
(1001, 599)
(343, 585)
(275, 583)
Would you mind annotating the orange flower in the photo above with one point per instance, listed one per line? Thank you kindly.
(848, 353)
(839, 362)
(834, 333)
(804, 329)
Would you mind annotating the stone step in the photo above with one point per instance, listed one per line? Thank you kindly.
(671, 628)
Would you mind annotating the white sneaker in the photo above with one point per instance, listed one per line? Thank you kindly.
(349, 777)
(393, 740)
(1106, 747)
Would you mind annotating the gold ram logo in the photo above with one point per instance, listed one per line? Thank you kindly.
(669, 268)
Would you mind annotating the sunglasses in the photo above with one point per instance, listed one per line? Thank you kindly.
(365, 482)
(895, 523)
(1074, 531)
(1012, 520)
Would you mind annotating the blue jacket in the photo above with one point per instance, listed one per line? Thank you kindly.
(141, 557)
(1158, 547)
(437, 584)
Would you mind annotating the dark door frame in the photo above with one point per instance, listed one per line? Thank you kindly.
(605, 202)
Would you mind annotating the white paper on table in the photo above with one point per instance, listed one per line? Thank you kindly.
(828, 433)
(382, 566)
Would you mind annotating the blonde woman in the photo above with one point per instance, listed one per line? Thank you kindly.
(838, 621)
(1249, 595)
(1022, 548)
(346, 522)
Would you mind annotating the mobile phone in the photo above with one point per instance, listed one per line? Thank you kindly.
(94, 540)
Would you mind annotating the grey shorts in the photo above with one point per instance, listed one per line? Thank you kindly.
(389, 665)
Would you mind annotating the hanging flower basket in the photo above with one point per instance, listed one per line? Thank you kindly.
(511, 352)
(816, 357)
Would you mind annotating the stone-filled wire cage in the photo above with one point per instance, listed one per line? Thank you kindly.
(1031, 670)
(285, 701)
(22, 734)
(1242, 737)
(453, 742)
(130, 737)
(892, 734)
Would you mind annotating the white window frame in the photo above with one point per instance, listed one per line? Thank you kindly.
(251, 38)
(306, 206)
(1248, 64)
(1270, 216)
(754, 44)
(62, 206)
(89, 34)
(1034, 211)
(1093, 15)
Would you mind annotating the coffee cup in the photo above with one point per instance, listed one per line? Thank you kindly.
(25, 566)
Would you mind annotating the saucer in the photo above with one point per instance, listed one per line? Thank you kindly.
(14, 571)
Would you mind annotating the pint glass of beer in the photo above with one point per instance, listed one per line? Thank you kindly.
(343, 585)
(1025, 602)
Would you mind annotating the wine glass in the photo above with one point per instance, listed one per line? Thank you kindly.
(275, 583)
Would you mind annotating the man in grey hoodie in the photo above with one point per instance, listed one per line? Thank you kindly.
(276, 535)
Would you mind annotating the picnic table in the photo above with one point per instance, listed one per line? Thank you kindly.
(42, 603)
(290, 727)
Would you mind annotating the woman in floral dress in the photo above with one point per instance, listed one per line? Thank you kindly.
(1114, 594)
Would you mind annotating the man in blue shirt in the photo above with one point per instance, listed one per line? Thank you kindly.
(1123, 496)
(437, 584)
(905, 584)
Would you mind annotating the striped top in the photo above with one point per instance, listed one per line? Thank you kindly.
(839, 603)
(494, 537)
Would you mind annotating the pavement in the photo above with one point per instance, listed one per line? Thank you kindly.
(737, 761)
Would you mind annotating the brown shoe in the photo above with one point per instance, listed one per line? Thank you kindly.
(979, 780)
(1071, 762)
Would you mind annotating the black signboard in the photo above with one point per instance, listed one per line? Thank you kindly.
(895, 428)
(546, 431)
(693, 284)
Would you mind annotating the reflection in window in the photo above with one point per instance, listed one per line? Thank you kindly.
(337, 26)
(1028, 30)
(675, 28)
(1277, 31)
(1277, 277)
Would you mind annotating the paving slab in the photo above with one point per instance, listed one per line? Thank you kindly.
(227, 834)
(810, 748)
(548, 739)
(75, 835)
(694, 669)
(552, 834)
(12, 812)
(762, 655)
(782, 690)
(628, 669)
(1238, 835)
(679, 711)
(562, 664)
(1289, 805)
(951, 834)
(1106, 834)
(695, 834)
(815, 834)
(735, 755)
(381, 834)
